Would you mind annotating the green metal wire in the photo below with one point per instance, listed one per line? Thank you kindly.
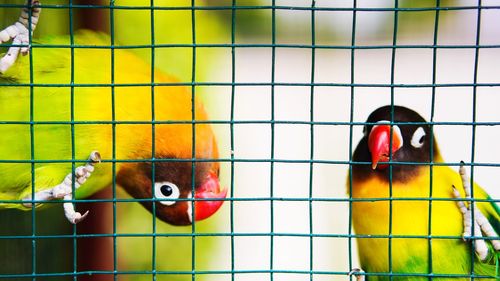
(351, 130)
(393, 66)
(231, 129)
(283, 199)
(473, 127)
(260, 45)
(271, 184)
(312, 124)
(264, 84)
(32, 153)
(311, 152)
(113, 136)
(261, 7)
(153, 143)
(224, 272)
(193, 141)
(431, 150)
(72, 119)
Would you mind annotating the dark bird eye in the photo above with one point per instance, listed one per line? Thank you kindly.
(417, 140)
(166, 191)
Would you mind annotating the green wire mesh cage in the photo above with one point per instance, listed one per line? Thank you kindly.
(288, 86)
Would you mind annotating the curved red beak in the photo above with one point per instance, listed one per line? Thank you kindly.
(210, 189)
(378, 144)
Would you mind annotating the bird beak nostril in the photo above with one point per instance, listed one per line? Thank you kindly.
(379, 141)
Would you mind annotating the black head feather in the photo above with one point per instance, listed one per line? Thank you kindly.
(419, 145)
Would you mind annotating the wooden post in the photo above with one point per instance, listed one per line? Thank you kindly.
(95, 253)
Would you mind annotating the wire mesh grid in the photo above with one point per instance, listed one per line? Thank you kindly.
(273, 201)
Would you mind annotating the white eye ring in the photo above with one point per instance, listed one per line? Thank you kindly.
(417, 140)
(166, 190)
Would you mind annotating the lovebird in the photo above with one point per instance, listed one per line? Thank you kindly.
(411, 216)
(54, 122)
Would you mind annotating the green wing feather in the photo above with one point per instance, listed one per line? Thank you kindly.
(20, 104)
(493, 214)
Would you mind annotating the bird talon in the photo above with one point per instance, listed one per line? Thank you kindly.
(64, 190)
(26, 50)
(61, 190)
(80, 171)
(78, 217)
(479, 221)
(81, 180)
(19, 33)
(95, 157)
(358, 273)
(73, 216)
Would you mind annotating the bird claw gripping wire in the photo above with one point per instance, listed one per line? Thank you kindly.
(64, 189)
(19, 33)
(481, 223)
(358, 273)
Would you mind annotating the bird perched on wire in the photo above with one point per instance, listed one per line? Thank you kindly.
(162, 155)
(394, 199)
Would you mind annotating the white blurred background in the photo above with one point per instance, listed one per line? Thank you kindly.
(332, 104)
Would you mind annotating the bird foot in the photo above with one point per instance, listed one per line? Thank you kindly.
(19, 32)
(481, 224)
(358, 273)
(64, 190)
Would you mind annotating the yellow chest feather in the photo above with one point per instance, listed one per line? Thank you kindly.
(410, 208)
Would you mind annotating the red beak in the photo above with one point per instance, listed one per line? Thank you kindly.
(378, 143)
(210, 189)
